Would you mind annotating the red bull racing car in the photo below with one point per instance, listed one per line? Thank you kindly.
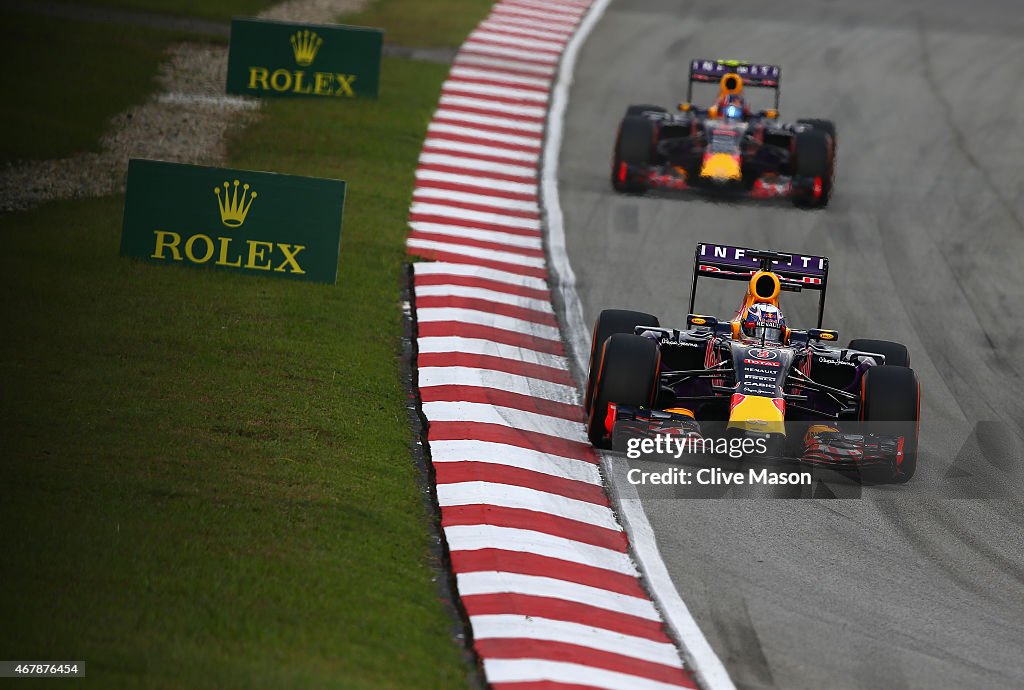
(853, 408)
(726, 148)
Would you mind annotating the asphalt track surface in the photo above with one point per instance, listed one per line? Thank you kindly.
(916, 586)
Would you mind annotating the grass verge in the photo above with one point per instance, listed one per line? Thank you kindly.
(206, 9)
(206, 476)
(66, 79)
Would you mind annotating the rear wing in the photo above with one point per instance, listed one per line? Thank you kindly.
(796, 272)
(754, 75)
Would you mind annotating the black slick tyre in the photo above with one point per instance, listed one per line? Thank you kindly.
(813, 169)
(640, 109)
(891, 405)
(627, 375)
(609, 322)
(896, 354)
(634, 146)
(826, 126)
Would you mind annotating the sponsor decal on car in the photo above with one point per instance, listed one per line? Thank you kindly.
(716, 68)
(748, 371)
(762, 362)
(840, 362)
(738, 256)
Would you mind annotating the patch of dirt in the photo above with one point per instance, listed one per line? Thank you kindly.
(186, 121)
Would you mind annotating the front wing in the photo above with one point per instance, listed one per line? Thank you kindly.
(673, 179)
(821, 445)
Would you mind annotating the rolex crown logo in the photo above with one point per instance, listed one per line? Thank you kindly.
(305, 44)
(234, 205)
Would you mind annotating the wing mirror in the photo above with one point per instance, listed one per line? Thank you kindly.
(695, 321)
(823, 334)
(700, 321)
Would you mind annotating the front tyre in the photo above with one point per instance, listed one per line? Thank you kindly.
(641, 109)
(891, 398)
(609, 322)
(627, 374)
(634, 148)
(896, 354)
(812, 169)
(826, 126)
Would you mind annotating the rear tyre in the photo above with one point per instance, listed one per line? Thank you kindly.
(627, 374)
(609, 322)
(892, 395)
(634, 146)
(813, 169)
(896, 354)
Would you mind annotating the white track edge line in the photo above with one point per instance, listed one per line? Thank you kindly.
(704, 663)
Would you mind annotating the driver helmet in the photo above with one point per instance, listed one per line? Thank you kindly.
(764, 322)
(732, 108)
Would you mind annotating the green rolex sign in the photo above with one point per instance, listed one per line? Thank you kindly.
(270, 58)
(251, 222)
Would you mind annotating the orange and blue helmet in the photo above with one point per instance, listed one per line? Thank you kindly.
(764, 322)
(732, 107)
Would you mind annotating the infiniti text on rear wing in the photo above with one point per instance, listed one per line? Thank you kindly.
(795, 271)
(754, 75)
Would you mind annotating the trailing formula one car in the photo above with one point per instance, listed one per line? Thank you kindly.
(726, 148)
(850, 409)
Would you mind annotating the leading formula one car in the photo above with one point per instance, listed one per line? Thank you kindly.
(850, 409)
(727, 147)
